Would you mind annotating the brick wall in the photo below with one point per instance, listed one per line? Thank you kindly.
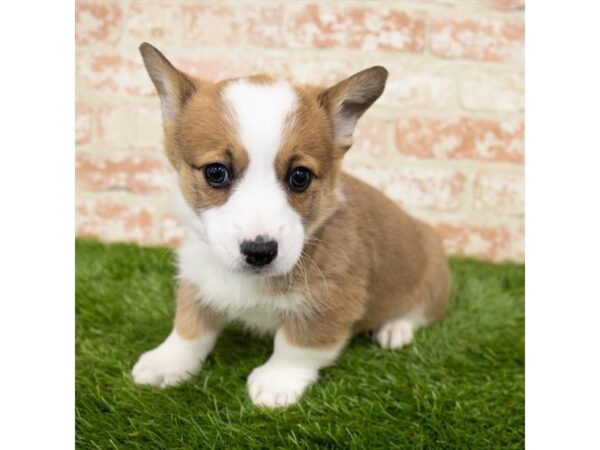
(446, 140)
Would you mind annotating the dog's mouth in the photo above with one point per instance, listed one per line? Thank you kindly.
(271, 270)
(268, 270)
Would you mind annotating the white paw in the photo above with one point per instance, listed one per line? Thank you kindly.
(159, 368)
(395, 334)
(275, 386)
(171, 363)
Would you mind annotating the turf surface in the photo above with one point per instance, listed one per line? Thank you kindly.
(460, 385)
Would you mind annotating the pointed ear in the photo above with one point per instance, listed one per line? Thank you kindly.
(174, 87)
(348, 100)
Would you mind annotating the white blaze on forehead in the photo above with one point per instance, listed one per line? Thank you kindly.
(261, 111)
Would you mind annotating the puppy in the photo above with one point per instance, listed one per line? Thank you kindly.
(278, 237)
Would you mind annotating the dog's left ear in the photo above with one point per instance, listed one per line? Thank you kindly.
(348, 100)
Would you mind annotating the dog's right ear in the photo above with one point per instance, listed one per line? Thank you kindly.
(173, 86)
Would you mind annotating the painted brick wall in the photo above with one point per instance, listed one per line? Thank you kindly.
(446, 140)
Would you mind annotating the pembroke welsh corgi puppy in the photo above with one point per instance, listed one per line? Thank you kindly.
(278, 237)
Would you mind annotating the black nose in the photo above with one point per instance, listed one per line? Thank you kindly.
(259, 252)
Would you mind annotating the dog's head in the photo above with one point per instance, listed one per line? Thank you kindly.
(258, 159)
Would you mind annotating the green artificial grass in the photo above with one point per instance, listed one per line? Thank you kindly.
(459, 385)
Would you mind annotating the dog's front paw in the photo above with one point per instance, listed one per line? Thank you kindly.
(274, 386)
(167, 365)
(159, 368)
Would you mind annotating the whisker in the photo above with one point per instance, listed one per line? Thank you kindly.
(320, 273)
(311, 240)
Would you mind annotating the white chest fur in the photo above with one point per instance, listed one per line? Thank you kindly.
(240, 297)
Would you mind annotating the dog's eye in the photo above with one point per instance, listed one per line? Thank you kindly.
(217, 175)
(299, 179)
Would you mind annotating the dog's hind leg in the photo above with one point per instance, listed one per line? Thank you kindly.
(397, 333)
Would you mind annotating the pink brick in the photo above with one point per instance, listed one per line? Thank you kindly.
(97, 23)
(479, 39)
(172, 231)
(212, 67)
(309, 69)
(159, 23)
(233, 24)
(429, 188)
(365, 28)
(262, 25)
(83, 123)
(440, 189)
(139, 174)
(377, 175)
(482, 241)
(124, 74)
(115, 74)
(503, 5)
(500, 193)
(518, 243)
(130, 126)
(114, 220)
(461, 138)
(419, 86)
(372, 137)
(509, 4)
(482, 89)
(306, 26)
